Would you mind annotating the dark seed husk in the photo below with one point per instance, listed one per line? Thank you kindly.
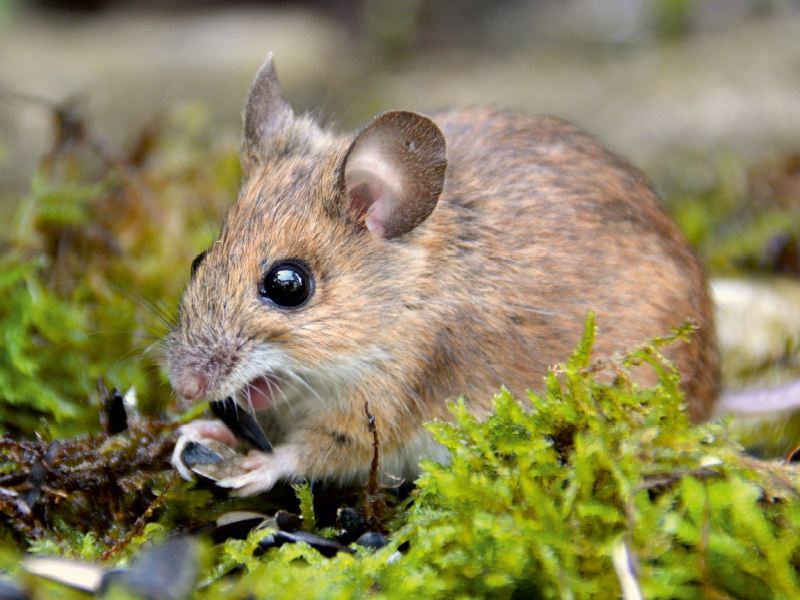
(243, 424)
(212, 459)
(117, 418)
(348, 520)
(34, 480)
(321, 544)
(373, 540)
(194, 454)
(168, 572)
(236, 525)
(287, 521)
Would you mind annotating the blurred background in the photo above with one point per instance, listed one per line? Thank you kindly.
(703, 95)
(654, 79)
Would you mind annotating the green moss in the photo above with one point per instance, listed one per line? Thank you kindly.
(534, 503)
(306, 498)
(41, 352)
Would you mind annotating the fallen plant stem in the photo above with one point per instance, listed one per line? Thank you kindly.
(138, 525)
(374, 505)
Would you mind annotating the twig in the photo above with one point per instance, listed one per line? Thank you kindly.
(663, 481)
(139, 524)
(374, 506)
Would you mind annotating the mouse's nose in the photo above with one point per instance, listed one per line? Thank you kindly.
(191, 386)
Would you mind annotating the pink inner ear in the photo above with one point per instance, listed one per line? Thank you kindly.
(373, 187)
(365, 200)
(362, 192)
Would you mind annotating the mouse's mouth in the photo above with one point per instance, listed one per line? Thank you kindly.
(259, 393)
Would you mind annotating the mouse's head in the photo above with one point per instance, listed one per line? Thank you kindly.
(315, 261)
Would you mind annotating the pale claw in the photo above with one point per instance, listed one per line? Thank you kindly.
(250, 484)
(176, 460)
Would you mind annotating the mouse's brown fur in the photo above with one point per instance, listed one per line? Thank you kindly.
(537, 225)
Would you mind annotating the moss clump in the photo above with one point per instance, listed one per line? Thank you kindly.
(38, 357)
(534, 505)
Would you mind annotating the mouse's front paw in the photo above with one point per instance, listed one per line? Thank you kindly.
(263, 471)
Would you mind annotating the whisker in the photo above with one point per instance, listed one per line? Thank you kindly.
(305, 384)
(130, 356)
(165, 318)
(204, 208)
(248, 390)
(279, 388)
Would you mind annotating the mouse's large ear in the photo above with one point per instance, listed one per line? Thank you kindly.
(266, 112)
(394, 172)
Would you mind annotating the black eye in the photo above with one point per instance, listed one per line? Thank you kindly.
(197, 260)
(287, 284)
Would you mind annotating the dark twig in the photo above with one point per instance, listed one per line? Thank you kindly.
(664, 481)
(374, 505)
(138, 526)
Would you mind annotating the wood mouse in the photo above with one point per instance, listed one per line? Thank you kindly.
(423, 259)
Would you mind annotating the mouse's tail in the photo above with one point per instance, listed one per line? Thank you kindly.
(784, 398)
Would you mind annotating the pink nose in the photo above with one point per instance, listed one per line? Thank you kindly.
(191, 386)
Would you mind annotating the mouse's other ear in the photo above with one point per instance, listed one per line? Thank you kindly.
(266, 112)
(394, 172)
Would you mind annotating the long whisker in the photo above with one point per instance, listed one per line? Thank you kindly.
(203, 206)
(248, 396)
(279, 389)
(133, 353)
(305, 384)
(166, 319)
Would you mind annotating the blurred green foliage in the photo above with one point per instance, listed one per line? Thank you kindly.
(390, 28)
(41, 352)
(731, 212)
(672, 17)
(89, 275)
